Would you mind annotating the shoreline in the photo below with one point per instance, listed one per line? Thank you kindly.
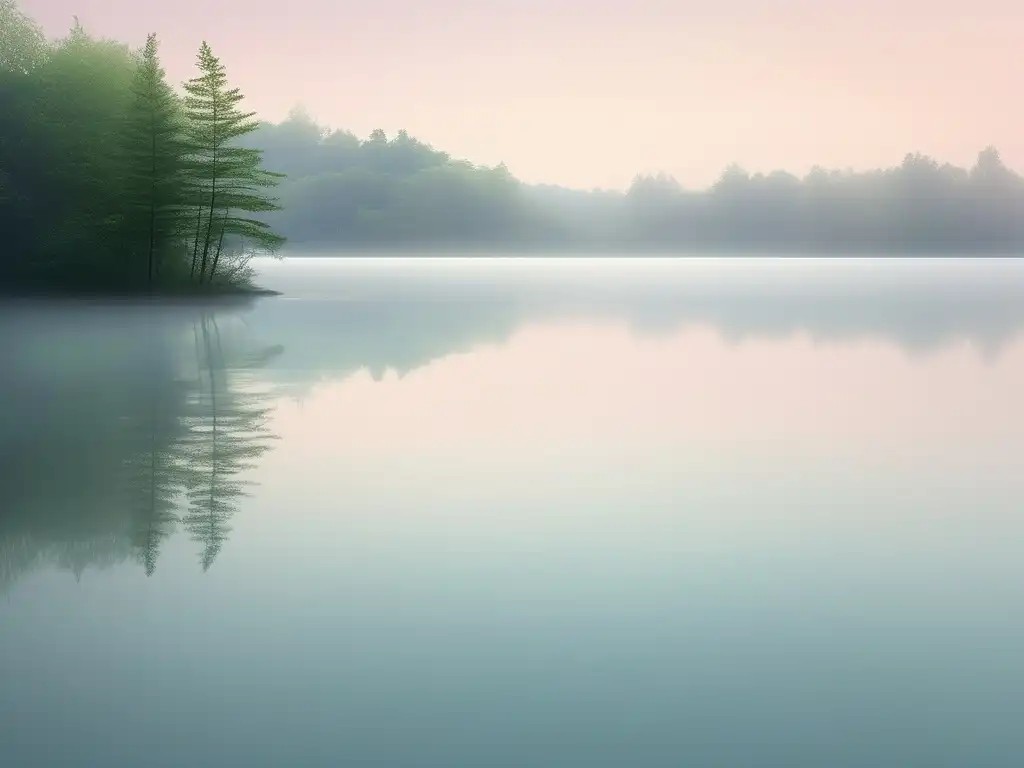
(236, 293)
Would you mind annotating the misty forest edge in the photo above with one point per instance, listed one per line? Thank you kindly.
(111, 180)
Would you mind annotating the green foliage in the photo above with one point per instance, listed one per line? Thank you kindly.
(22, 45)
(155, 191)
(227, 179)
(109, 180)
(75, 101)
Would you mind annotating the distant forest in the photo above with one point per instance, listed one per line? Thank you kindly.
(399, 192)
(109, 175)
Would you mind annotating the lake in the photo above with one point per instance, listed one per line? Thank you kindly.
(582, 512)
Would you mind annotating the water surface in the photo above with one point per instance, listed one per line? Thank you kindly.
(424, 512)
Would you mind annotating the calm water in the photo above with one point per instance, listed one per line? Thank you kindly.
(545, 513)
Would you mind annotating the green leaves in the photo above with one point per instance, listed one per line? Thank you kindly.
(226, 178)
(155, 185)
(22, 44)
(111, 180)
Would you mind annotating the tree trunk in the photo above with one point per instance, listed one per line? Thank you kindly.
(152, 200)
(195, 244)
(209, 223)
(220, 245)
(213, 196)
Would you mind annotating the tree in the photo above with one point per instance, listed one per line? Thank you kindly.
(102, 179)
(22, 48)
(22, 45)
(155, 152)
(228, 179)
(80, 100)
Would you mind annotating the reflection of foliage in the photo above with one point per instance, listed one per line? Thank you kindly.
(102, 476)
(154, 478)
(20, 554)
(226, 434)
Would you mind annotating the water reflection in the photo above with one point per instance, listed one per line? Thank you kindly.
(226, 433)
(120, 426)
(581, 517)
(342, 316)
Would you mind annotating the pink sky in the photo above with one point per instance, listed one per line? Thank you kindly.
(589, 92)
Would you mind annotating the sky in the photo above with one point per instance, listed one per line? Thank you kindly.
(588, 93)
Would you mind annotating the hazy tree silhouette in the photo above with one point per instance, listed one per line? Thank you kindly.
(398, 192)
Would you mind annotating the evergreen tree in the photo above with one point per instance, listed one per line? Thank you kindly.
(228, 179)
(77, 122)
(155, 152)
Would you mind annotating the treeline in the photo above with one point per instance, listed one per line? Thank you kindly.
(397, 191)
(400, 192)
(110, 179)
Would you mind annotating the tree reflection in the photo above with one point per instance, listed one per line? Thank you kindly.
(226, 433)
(105, 457)
(154, 472)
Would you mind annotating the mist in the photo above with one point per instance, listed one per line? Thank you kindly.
(400, 192)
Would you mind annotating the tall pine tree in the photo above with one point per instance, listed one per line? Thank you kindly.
(155, 151)
(228, 180)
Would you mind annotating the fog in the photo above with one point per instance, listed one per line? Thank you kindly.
(389, 192)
